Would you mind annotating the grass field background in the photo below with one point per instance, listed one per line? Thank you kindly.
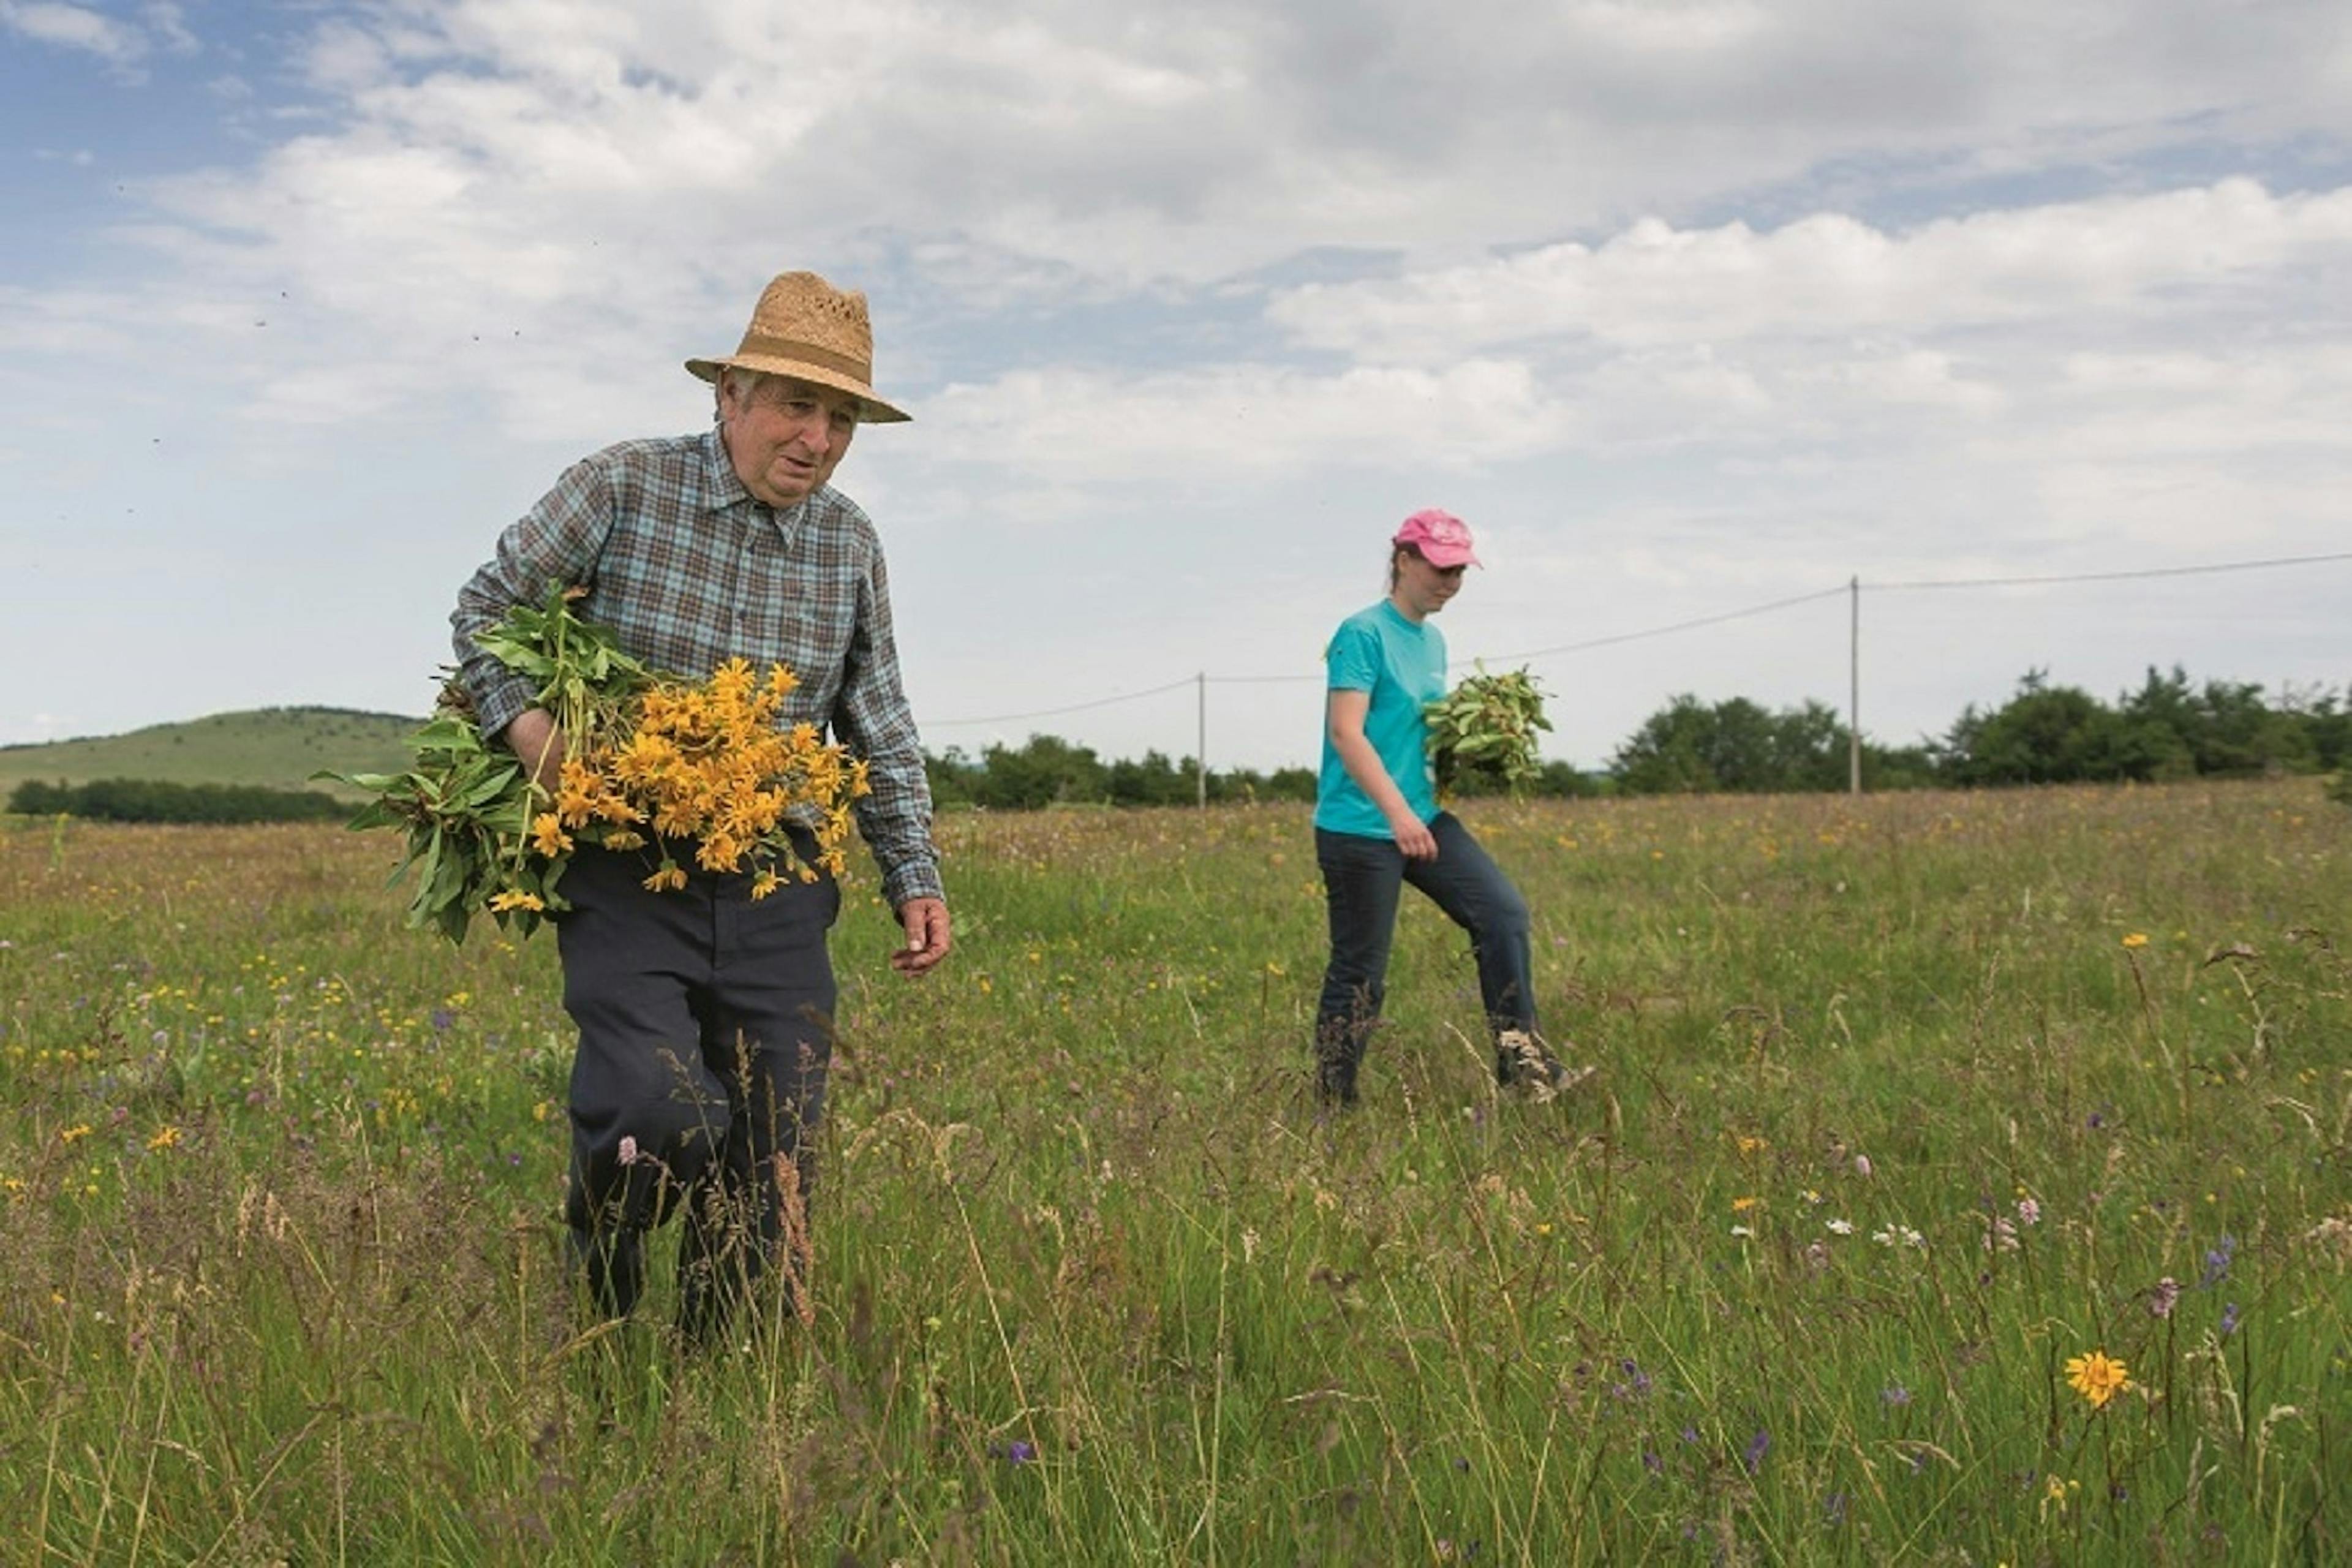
(1904, 1102)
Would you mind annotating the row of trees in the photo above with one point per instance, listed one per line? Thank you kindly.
(2168, 729)
(153, 800)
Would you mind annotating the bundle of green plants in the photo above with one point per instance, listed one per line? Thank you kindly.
(1485, 731)
(651, 762)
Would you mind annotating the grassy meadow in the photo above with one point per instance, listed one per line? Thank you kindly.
(1903, 1104)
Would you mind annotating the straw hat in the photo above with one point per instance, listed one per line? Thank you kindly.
(805, 327)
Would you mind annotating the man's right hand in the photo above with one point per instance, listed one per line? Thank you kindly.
(534, 738)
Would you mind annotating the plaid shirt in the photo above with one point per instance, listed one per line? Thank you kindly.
(688, 571)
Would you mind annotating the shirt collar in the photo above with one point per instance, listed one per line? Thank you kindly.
(722, 489)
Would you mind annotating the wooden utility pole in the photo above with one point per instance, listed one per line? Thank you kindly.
(1201, 743)
(1854, 692)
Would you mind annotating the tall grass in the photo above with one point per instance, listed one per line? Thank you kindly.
(1904, 1103)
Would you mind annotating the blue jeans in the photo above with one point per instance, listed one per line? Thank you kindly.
(1363, 879)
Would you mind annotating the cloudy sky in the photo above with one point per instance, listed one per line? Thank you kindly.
(1687, 307)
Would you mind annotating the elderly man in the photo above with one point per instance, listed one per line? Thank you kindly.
(706, 1018)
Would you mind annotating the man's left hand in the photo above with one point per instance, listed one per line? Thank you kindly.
(927, 941)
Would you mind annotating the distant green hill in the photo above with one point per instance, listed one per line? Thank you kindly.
(279, 748)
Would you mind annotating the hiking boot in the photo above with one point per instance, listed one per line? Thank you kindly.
(1523, 1062)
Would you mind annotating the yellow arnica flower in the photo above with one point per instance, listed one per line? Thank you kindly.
(2137, 939)
(669, 878)
(547, 834)
(2097, 1377)
(516, 898)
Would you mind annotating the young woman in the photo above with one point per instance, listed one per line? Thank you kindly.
(1378, 825)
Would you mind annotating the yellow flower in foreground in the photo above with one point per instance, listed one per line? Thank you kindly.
(2097, 1377)
(516, 898)
(74, 1134)
(670, 878)
(164, 1137)
(547, 834)
(2137, 940)
(1742, 1205)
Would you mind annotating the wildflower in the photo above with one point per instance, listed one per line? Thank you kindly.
(1899, 1235)
(1742, 1205)
(2136, 940)
(1817, 1257)
(166, 1137)
(1840, 1228)
(2161, 1300)
(2097, 1377)
(1021, 1451)
(627, 1153)
(2028, 1211)
(1741, 1230)
(2217, 1261)
(547, 834)
(1893, 1395)
(1753, 1455)
(2229, 1320)
(516, 898)
(2000, 1235)
(74, 1134)
(1861, 1165)
(669, 878)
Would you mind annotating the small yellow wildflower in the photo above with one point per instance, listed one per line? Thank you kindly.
(670, 878)
(1742, 1205)
(2097, 1377)
(74, 1134)
(2138, 939)
(516, 898)
(166, 1137)
(547, 834)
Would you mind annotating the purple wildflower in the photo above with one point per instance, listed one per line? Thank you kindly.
(1020, 1451)
(441, 1020)
(1652, 1463)
(1894, 1394)
(2162, 1300)
(1834, 1508)
(2229, 1320)
(2217, 1261)
(1753, 1455)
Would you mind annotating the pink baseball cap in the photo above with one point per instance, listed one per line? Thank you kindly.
(1442, 539)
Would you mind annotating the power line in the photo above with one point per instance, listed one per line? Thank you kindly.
(1677, 626)
(1054, 713)
(2112, 576)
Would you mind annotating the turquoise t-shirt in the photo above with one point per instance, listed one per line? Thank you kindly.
(1403, 666)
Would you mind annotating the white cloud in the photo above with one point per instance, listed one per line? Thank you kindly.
(1830, 274)
(1084, 427)
(75, 27)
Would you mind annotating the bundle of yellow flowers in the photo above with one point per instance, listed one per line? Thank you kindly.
(651, 762)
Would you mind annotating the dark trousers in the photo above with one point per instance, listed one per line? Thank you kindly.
(1363, 880)
(706, 1029)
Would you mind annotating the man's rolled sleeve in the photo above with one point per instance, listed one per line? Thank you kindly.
(556, 541)
(872, 717)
